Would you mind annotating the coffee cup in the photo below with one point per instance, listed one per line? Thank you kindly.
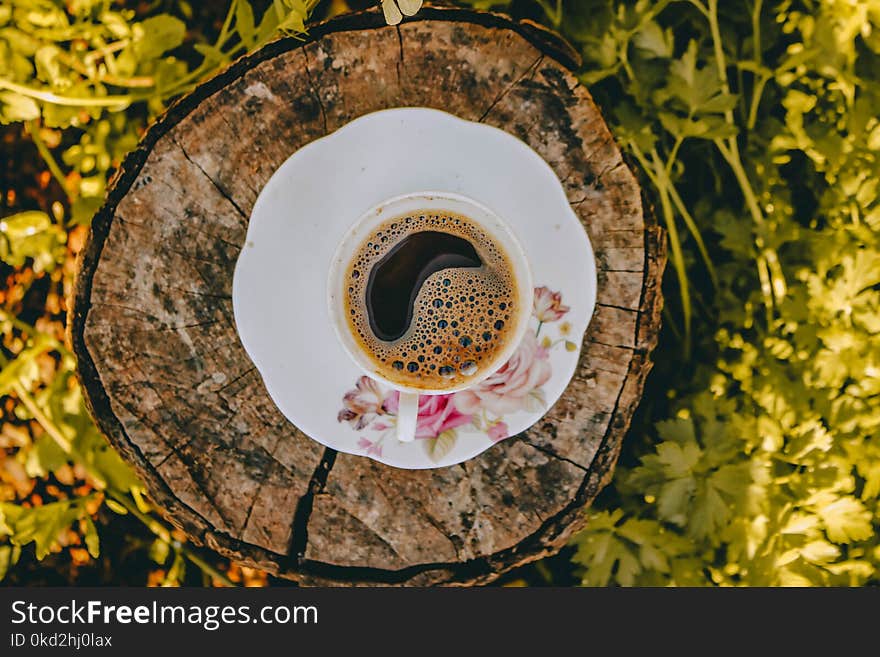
(429, 293)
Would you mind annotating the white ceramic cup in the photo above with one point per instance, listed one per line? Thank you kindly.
(407, 414)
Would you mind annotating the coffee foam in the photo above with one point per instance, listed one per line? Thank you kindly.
(461, 317)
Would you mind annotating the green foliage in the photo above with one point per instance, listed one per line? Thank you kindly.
(32, 235)
(99, 73)
(755, 125)
(85, 77)
(42, 525)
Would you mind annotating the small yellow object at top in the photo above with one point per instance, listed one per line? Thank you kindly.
(395, 10)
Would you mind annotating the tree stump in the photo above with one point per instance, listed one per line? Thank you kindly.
(171, 386)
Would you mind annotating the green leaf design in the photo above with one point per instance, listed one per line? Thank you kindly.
(535, 400)
(440, 446)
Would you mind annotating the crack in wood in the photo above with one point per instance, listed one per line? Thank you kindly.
(399, 63)
(315, 91)
(182, 327)
(529, 72)
(611, 305)
(609, 169)
(299, 532)
(209, 283)
(186, 257)
(454, 539)
(628, 347)
(176, 452)
(197, 229)
(122, 306)
(259, 490)
(206, 295)
(226, 195)
(550, 452)
(228, 384)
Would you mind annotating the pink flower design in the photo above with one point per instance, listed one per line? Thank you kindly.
(507, 390)
(369, 407)
(437, 414)
(548, 305)
(363, 404)
(498, 431)
(370, 446)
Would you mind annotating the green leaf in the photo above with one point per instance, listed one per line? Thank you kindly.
(846, 519)
(284, 16)
(213, 56)
(32, 235)
(677, 459)
(674, 499)
(633, 128)
(103, 463)
(42, 525)
(159, 551)
(654, 42)
(801, 523)
(157, 35)
(44, 457)
(23, 369)
(16, 107)
(294, 20)
(49, 67)
(820, 552)
(706, 127)
(244, 22)
(115, 507)
(694, 89)
(91, 537)
(116, 24)
(5, 560)
(9, 555)
(176, 572)
(710, 513)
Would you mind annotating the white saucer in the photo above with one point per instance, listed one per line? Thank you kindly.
(299, 219)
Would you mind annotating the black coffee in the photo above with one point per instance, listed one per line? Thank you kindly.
(397, 278)
(430, 298)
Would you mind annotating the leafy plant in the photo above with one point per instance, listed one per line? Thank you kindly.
(85, 77)
(755, 127)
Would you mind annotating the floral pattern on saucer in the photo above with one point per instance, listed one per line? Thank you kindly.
(371, 410)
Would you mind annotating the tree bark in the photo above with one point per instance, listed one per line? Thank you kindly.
(171, 386)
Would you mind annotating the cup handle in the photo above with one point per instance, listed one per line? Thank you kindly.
(407, 416)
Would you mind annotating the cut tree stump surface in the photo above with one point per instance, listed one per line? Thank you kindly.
(170, 384)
